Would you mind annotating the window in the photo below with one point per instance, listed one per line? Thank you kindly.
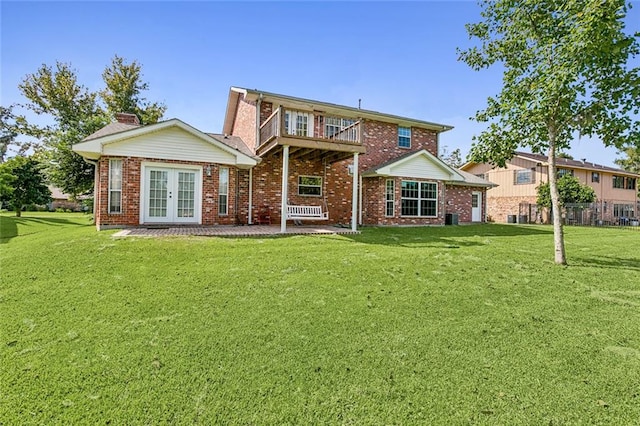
(562, 172)
(310, 185)
(618, 181)
(623, 210)
(419, 199)
(223, 191)
(595, 177)
(298, 123)
(115, 186)
(390, 194)
(522, 177)
(336, 128)
(404, 137)
(630, 183)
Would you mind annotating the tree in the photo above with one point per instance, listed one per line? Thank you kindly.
(631, 162)
(453, 158)
(570, 190)
(22, 182)
(565, 73)
(124, 89)
(77, 112)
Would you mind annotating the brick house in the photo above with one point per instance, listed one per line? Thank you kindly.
(516, 191)
(311, 160)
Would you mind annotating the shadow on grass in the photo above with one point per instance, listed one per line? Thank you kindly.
(632, 264)
(9, 225)
(444, 236)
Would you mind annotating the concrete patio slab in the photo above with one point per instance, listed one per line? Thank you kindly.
(231, 231)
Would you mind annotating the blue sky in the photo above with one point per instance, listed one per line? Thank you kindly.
(398, 57)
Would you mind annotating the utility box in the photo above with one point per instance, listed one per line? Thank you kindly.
(523, 218)
(511, 218)
(451, 219)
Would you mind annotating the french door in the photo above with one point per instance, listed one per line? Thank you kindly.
(171, 195)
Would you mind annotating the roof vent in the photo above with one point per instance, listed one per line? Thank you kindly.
(126, 118)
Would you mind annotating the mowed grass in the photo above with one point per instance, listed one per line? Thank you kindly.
(450, 325)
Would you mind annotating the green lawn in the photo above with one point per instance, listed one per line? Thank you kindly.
(450, 325)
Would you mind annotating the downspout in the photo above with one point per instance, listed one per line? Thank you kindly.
(258, 108)
(250, 218)
(95, 187)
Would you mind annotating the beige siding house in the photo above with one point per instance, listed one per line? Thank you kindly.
(514, 197)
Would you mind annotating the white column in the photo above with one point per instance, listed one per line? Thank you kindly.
(354, 195)
(285, 195)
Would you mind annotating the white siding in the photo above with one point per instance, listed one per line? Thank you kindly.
(420, 167)
(170, 144)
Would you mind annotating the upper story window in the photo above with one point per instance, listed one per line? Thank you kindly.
(595, 177)
(562, 172)
(404, 137)
(115, 186)
(335, 126)
(310, 185)
(298, 123)
(618, 181)
(630, 183)
(523, 177)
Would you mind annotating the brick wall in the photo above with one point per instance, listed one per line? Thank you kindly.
(131, 175)
(381, 140)
(459, 201)
(499, 207)
(244, 125)
(374, 204)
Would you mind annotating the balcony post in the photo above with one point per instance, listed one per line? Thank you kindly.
(354, 195)
(285, 195)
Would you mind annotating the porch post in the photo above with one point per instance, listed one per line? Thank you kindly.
(354, 194)
(285, 195)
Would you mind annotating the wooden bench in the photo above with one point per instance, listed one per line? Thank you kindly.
(306, 213)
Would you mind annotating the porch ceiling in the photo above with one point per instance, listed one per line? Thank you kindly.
(307, 149)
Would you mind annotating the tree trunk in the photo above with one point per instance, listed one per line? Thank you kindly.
(18, 212)
(558, 232)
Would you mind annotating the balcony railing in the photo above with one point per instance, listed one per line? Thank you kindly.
(306, 125)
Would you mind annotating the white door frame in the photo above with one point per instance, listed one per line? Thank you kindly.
(174, 169)
(477, 217)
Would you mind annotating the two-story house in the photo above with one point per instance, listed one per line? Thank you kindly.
(516, 191)
(294, 159)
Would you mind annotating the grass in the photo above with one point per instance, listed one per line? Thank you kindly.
(452, 325)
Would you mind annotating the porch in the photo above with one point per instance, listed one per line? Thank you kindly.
(232, 231)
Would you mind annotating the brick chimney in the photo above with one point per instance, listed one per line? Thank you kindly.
(126, 118)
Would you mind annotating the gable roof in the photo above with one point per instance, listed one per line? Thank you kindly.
(93, 146)
(236, 93)
(564, 162)
(423, 164)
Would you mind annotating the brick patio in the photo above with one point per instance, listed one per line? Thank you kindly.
(231, 231)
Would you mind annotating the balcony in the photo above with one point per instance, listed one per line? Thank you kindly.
(310, 134)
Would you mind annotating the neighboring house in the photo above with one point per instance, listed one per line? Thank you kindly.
(312, 160)
(60, 200)
(516, 193)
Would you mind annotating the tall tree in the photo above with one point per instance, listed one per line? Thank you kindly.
(453, 158)
(77, 112)
(631, 161)
(565, 72)
(22, 182)
(124, 92)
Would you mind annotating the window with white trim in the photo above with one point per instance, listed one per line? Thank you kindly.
(223, 191)
(310, 185)
(115, 186)
(404, 137)
(390, 195)
(419, 199)
(334, 126)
